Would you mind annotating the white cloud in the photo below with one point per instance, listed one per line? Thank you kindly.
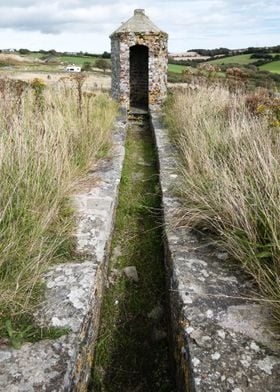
(86, 24)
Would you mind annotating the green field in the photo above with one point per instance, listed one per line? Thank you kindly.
(244, 59)
(77, 60)
(176, 68)
(239, 59)
(272, 67)
(31, 55)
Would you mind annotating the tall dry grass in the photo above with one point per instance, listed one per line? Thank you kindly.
(230, 170)
(47, 144)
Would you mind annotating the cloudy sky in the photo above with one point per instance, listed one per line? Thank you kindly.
(74, 25)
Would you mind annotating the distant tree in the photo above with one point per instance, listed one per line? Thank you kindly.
(24, 51)
(102, 64)
(106, 55)
(211, 52)
(53, 52)
(261, 55)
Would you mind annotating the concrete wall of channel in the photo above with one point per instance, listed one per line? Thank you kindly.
(222, 340)
(74, 293)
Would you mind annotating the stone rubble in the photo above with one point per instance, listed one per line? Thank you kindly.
(131, 273)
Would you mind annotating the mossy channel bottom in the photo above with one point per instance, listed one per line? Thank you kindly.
(132, 352)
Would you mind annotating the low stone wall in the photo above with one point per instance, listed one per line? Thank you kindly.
(74, 293)
(222, 339)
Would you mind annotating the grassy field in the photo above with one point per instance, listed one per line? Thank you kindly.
(176, 68)
(272, 67)
(77, 60)
(245, 59)
(230, 152)
(241, 59)
(32, 55)
(49, 139)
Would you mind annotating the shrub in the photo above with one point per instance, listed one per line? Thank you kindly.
(102, 64)
(87, 66)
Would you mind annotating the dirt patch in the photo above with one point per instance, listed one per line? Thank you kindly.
(15, 58)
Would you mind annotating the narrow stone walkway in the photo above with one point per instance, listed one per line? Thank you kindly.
(132, 349)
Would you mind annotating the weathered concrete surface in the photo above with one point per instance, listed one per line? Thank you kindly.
(74, 292)
(222, 339)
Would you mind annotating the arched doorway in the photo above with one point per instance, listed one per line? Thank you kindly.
(139, 77)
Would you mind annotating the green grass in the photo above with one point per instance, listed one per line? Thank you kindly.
(272, 67)
(127, 357)
(22, 330)
(77, 60)
(176, 68)
(32, 55)
(241, 59)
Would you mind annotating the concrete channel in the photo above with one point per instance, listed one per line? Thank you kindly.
(132, 351)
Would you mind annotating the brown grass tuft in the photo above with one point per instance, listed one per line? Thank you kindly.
(44, 151)
(230, 168)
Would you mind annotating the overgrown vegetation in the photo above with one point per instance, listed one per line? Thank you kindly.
(250, 75)
(229, 145)
(49, 138)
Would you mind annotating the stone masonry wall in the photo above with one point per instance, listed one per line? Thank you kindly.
(115, 58)
(158, 59)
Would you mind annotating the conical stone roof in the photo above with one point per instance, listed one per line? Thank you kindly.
(139, 23)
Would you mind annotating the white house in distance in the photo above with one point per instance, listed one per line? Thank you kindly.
(72, 68)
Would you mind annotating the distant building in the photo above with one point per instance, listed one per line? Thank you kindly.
(8, 50)
(72, 68)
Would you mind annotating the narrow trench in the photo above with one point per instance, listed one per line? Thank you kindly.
(132, 353)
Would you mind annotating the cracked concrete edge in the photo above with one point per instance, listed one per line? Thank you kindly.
(74, 292)
(222, 342)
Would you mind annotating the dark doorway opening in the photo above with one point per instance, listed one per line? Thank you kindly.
(139, 77)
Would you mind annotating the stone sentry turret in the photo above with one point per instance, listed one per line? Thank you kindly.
(139, 63)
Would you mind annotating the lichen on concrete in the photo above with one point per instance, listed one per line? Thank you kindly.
(223, 339)
(73, 293)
